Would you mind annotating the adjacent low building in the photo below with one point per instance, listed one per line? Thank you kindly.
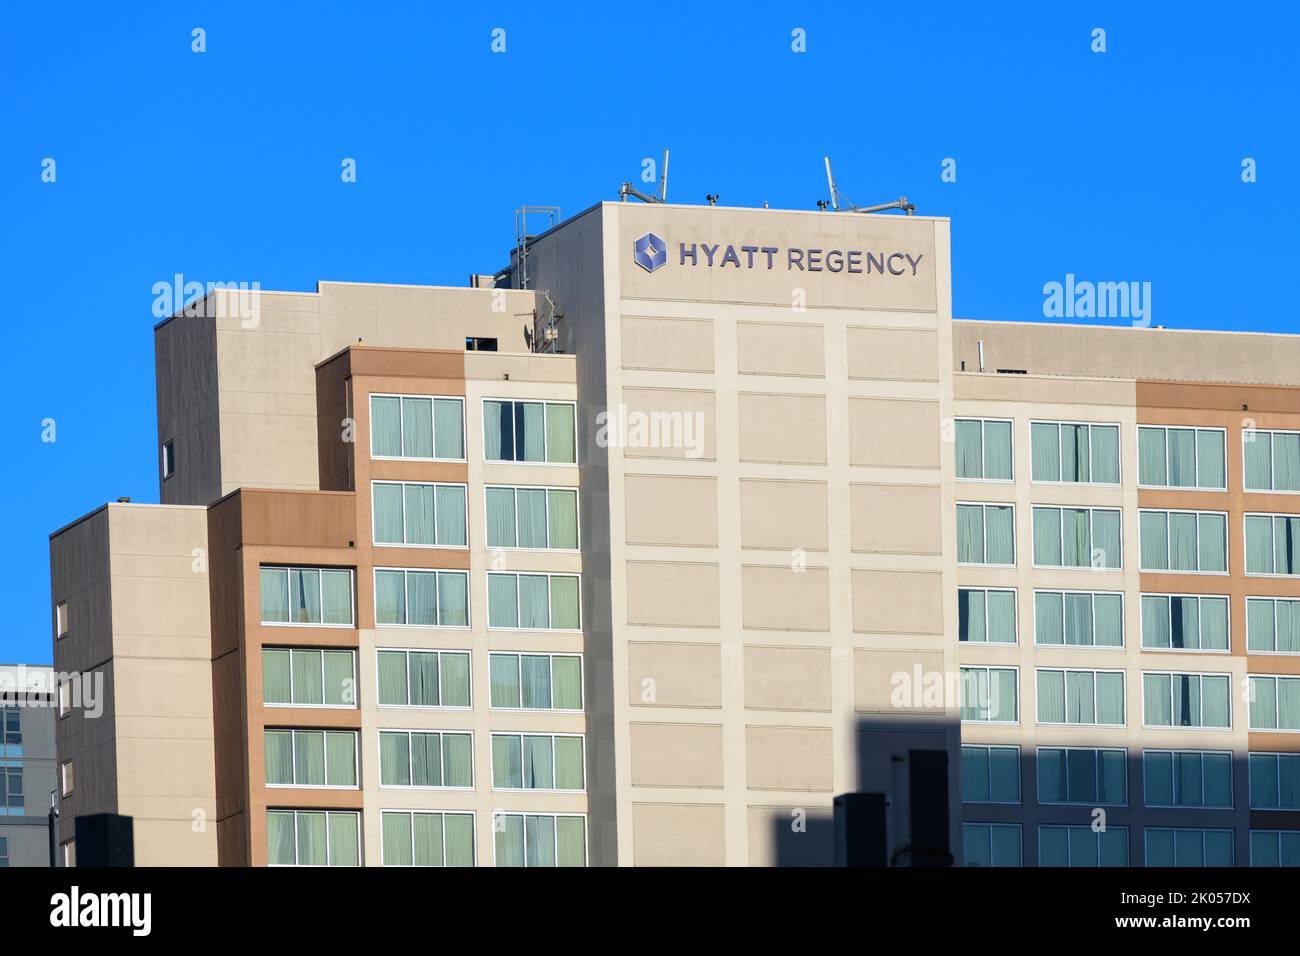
(27, 763)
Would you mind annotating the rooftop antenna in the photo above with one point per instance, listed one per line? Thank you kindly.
(548, 340)
(523, 237)
(838, 198)
(627, 189)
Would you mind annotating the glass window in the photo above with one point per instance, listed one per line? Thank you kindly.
(423, 678)
(532, 518)
(529, 431)
(991, 844)
(417, 426)
(1273, 625)
(1186, 700)
(986, 615)
(989, 694)
(533, 601)
(1082, 775)
(1183, 541)
(306, 596)
(536, 681)
(306, 677)
(1185, 622)
(1271, 460)
(1080, 697)
(1274, 703)
(986, 534)
(983, 449)
(311, 758)
(1187, 778)
(1079, 618)
(1275, 847)
(540, 839)
(419, 515)
(1082, 846)
(313, 838)
(1077, 538)
(427, 839)
(426, 759)
(537, 762)
(1275, 781)
(1272, 544)
(1188, 847)
(1075, 452)
(11, 788)
(417, 598)
(990, 774)
(1181, 457)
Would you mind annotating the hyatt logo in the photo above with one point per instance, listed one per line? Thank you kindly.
(650, 252)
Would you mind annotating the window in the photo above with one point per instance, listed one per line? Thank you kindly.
(1184, 622)
(528, 431)
(986, 534)
(1275, 847)
(1077, 538)
(313, 838)
(305, 677)
(419, 515)
(1186, 700)
(1187, 778)
(989, 694)
(984, 449)
(986, 615)
(1273, 544)
(411, 598)
(427, 839)
(65, 698)
(1274, 703)
(540, 839)
(1272, 626)
(417, 426)
(1080, 697)
(991, 844)
(65, 778)
(1082, 775)
(1195, 541)
(61, 619)
(1186, 847)
(11, 732)
(478, 344)
(533, 601)
(536, 681)
(311, 758)
(990, 774)
(423, 678)
(1271, 460)
(168, 459)
(1275, 781)
(11, 788)
(1079, 618)
(532, 518)
(1075, 452)
(1182, 457)
(425, 759)
(1082, 846)
(307, 596)
(537, 762)
(4, 851)
(70, 853)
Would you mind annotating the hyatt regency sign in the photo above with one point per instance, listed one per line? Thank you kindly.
(651, 252)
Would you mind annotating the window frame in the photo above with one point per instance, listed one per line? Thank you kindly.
(1020, 782)
(577, 517)
(1094, 646)
(410, 812)
(1278, 834)
(1015, 626)
(293, 759)
(555, 816)
(1200, 633)
(406, 591)
(1146, 798)
(1096, 764)
(961, 684)
(168, 462)
(403, 787)
(361, 838)
(401, 421)
(983, 421)
(407, 652)
(1227, 531)
(989, 826)
(550, 655)
(545, 403)
(539, 733)
(67, 778)
(1118, 828)
(548, 575)
(321, 652)
(61, 620)
(1272, 599)
(1193, 428)
(288, 569)
(1060, 535)
(1119, 452)
(984, 523)
(1248, 435)
(1201, 675)
(1276, 756)
(1272, 541)
(1065, 697)
(374, 540)
(1250, 688)
(1201, 830)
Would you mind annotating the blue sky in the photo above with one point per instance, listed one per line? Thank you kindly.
(225, 166)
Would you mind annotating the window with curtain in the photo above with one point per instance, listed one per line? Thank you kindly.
(990, 774)
(533, 601)
(1082, 846)
(537, 762)
(411, 597)
(1275, 847)
(1077, 538)
(1182, 457)
(1271, 460)
(986, 615)
(427, 759)
(1274, 781)
(1274, 703)
(1272, 544)
(1273, 625)
(411, 678)
(1166, 846)
(1186, 700)
(1187, 778)
(313, 838)
(306, 596)
(540, 839)
(1080, 697)
(1185, 622)
(311, 758)
(414, 514)
(418, 838)
(307, 677)
(532, 517)
(1075, 452)
(1195, 541)
(986, 534)
(1079, 618)
(417, 426)
(989, 694)
(991, 844)
(1083, 775)
(984, 449)
(536, 681)
(529, 431)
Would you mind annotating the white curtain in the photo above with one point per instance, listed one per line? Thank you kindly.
(304, 596)
(1105, 537)
(1158, 778)
(278, 745)
(1108, 620)
(341, 758)
(276, 682)
(307, 679)
(509, 839)
(568, 763)
(417, 428)
(1045, 445)
(1263, 703)
(422, 598)
(539, 840)
(564, 602)
(1052, 778)
(570, 841)
(566, 681)
(1047, 537)
(339, 678)
(385, 427)
(1259, 461)
(972, 617)
(455, 679)
(1154, 533)
(498, 431)
(1051, 697)
(535, 681)
(1105, 454)
(280, 837)
(397, 839)
(1182, 541)
(344, 845)
(1078, 620)
(394, 759)
(309, 758)
(1214, 623)
(453, 598)
(423, 669)
(1049, 612)
(530, 434)
(1259, 544)
(500, 517)
(970, 534)
(970, 449)
(560, 444)
(1156, 626)
(534, 604)
(1157, 693)
(458, 760)
(539, 762)
(1151, 457)
(313, 841)
(563, 513)
(417, 504)
(428, 838)
(504, 675)
(387, 500)
(458, 839)
(275, 595)
(426, 760)
(1212, 550)
(448, 428)
(1262, 633)
(1110, 698)
(390, 597)
(1286, 462)
(451, 515)
(1184, 623)
(1210, 459)
(999, 526)
(1080, 697)
(392, 678)
(1182, 457)
(503, 600)
(531, 503)
(507, 761)
(336, 592)
(997, 451)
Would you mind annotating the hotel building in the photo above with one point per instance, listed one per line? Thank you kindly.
(419, 594)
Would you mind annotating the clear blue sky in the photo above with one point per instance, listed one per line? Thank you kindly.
(225, 166)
